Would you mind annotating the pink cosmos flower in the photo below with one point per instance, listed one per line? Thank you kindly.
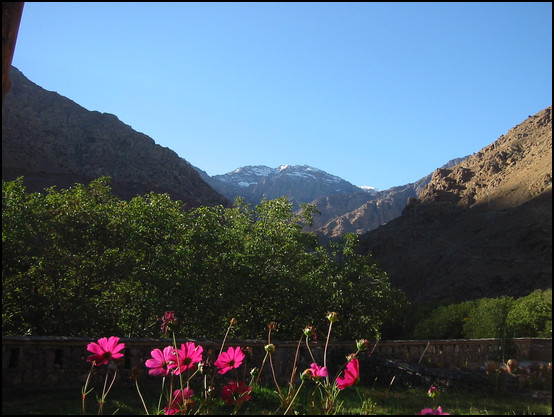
(228, 360)
(181, 401)
(351, 374)
(236, 393)
(430, 411)
(161, 361)
(318, 371)
(105, 350)
(187, 357)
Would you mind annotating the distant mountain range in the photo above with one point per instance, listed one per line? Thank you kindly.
(52, 141)
(301, 184)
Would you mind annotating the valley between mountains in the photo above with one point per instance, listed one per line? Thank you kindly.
(479, 226)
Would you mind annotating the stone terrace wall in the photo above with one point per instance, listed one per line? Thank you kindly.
(56, 362)
(463, 352)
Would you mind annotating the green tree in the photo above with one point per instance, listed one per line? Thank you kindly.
(360, 291)
(22, 243)
(488, 318)
(531, 316)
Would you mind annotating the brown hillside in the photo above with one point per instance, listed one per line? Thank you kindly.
(480, 229)
(52, 141)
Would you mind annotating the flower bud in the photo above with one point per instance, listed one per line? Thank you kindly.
(332, 316)
(309, 330)
(270, 348)
(362, 344)
(307, 374)
(169, 321)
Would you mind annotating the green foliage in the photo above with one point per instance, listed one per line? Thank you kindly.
(531, 316)
(82, 262)
(488, 318)
(445, 322)
(503, 318)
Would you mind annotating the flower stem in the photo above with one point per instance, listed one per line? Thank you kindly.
(103, 398)
(274, 377)
(291, 382)
(293, 398)
(104, 391)
(325, 351)
(261, 368)
(141, 398)
(309, 350)
(271, 365)
(180, 373)
(84, 391)
(161, 394)
(226, 334)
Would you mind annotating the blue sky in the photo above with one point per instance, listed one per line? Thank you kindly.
(379, 94)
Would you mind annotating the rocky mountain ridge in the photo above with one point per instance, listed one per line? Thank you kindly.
(52, 141)
(480, 229)
(359, 213)
(343, 207)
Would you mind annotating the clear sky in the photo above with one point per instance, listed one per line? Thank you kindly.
(379, 94)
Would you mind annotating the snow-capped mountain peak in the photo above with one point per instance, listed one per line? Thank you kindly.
(300, 183)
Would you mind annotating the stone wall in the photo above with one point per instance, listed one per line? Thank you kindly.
(60, 362)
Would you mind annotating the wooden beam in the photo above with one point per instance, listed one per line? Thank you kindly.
(11, 18)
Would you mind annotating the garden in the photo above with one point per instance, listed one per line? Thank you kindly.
(81, 262)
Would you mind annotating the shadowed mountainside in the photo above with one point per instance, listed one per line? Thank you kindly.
(51, 140)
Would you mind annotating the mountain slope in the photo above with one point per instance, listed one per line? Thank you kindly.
(51, 140)
(480, 229)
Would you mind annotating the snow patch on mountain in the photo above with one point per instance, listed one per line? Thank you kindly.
(369, 189)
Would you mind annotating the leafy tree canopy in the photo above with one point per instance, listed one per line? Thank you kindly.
(81, 262)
